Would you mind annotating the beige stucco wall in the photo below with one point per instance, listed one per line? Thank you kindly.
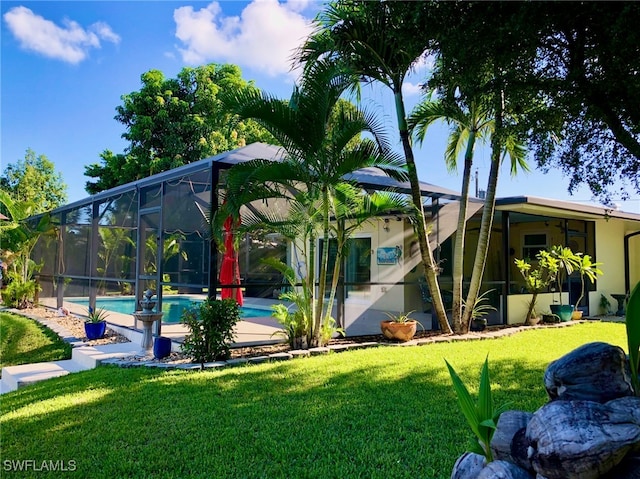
(392, 296)
(609, 252)
(634, 257)
(518, 305)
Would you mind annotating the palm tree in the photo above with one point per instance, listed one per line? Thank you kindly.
(381, 41)
(319, 133)
(468, 124)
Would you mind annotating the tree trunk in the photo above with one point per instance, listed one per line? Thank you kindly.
(458, 254)
(431, 269)
(487, 217)
(322, 280)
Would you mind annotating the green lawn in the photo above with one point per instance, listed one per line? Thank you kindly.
(23, 341)
(374, 413)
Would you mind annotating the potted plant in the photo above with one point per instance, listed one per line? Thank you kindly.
(567, 262)
(548, 317)
(95, 325)
(589, 269)
(400, 327)
(605, 305)
(479, 311)
(537, 280)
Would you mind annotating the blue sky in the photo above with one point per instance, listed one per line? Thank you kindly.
(65, 65)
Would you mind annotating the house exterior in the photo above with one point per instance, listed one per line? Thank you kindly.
(154, 234)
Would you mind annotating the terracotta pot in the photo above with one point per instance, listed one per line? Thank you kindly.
(534, 320)
(576, 315)
(399, 331)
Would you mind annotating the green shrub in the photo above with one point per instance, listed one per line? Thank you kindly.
(296, 323)
(20, 294)
(211, 326)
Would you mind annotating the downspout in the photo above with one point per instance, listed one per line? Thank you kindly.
(627, 274)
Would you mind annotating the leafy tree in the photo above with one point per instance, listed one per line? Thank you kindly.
(317, 131)
(34, 180)
(173, 122)
(587, 70)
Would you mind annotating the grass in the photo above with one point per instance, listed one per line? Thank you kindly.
(374, 413)
(23, 341)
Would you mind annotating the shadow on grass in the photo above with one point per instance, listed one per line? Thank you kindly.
(376, 413)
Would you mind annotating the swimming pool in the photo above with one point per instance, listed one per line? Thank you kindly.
(172, 307)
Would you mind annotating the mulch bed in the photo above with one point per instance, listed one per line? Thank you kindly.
(76, 326)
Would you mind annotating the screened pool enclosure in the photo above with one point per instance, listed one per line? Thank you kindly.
(154, 234)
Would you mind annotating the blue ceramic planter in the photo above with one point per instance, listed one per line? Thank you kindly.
(564, 311)
(95, 330)
(161, 347)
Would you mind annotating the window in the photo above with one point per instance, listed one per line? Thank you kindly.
(532, 244)
(357, 264)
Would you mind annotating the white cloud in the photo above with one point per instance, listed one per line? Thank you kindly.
(264, 36)
(410, 89)
(70, 43)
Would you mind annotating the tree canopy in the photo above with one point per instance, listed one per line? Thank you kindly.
(171, 122)
(580, 61)
(34, 180)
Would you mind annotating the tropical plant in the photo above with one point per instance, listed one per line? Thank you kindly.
(568, 261)
(114, 240)
(320, 134)
(589, 269)
(605, 304)
(537, 279)
(22, 233)
(295, 318)
(480, 307)
(381, 41)
(19, 294)
(482, 417)
(96, 315)
(210, 326)
(632, 321)
(401, 317)
(470, 119)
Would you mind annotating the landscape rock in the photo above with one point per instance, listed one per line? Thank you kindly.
(593, 372)
(504, 470)
(629, 468)
(468, 466)
(580, 439)
(509, 439)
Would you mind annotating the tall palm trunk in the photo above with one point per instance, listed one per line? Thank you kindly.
(458, 254)
(324, 262)
(430, 266)
(310, 288)
(487, 214)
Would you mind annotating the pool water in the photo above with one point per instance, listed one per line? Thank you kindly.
(172, 307)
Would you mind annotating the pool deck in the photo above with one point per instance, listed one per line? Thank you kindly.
(248, 332)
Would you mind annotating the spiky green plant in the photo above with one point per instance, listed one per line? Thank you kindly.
(632, 320)
(482, 417)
